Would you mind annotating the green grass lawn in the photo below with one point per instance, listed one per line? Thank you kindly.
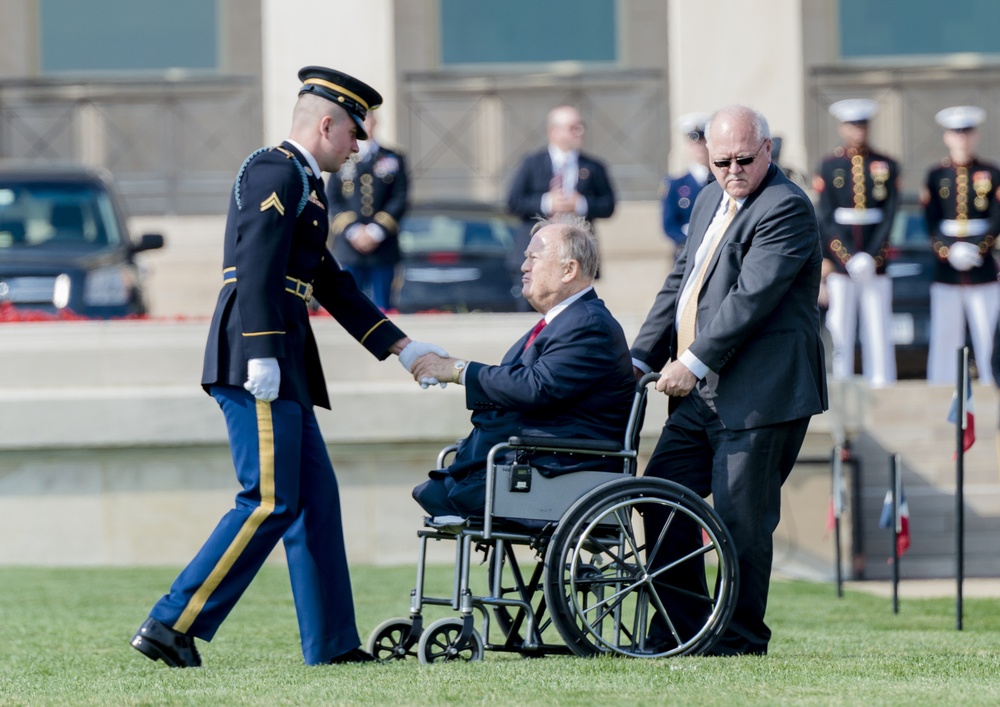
(64, 640)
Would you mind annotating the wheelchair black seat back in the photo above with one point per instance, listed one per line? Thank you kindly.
(570, 569)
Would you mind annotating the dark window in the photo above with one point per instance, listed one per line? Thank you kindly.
(877, 28)
(128, 35)
(527, 31)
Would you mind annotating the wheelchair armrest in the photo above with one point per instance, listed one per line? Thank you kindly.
(443, 455)
(589, 445)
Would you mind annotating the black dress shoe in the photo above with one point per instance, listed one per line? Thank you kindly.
(355, 655)
(159, 642)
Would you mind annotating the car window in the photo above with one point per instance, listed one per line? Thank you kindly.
(909, 228)
(51, 213)
(421, 233)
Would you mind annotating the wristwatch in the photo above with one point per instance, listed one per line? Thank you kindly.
(456, 372)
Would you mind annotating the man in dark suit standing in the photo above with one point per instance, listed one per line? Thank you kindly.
(735, 335)
(368, 197)
(559, 182)
(263, 368)
(571, 376)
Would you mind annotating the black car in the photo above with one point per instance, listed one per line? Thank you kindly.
(455, 259)
(64, 245)
(911, 267)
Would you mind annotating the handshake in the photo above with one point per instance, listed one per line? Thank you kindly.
(430, 364)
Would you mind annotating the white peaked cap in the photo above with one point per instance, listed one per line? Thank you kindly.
(960, 117)
(854, 110)
(692, 121)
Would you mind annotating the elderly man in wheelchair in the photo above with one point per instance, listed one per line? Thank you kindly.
(549, 470)
(570, 377)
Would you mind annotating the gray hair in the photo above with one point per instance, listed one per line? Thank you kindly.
(578, 243)
(761, 129)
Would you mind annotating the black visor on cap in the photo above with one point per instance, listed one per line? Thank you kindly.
(354, 96)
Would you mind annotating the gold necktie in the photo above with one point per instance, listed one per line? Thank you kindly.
(686, 327)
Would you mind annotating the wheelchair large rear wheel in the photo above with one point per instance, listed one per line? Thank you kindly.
(605, 581)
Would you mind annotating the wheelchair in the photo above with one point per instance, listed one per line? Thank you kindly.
(569, 568)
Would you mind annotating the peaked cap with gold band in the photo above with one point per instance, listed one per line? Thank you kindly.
(356, 97)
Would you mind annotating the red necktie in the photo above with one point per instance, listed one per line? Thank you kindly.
(534, 332)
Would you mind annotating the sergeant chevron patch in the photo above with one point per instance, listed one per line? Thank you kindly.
(274, 201)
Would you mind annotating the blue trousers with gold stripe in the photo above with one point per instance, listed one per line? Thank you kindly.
(289, 493)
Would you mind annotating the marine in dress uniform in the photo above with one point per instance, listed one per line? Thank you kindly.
(263, 368)
(962, 209)
(858, 194)
(368, 198)
(679, 193)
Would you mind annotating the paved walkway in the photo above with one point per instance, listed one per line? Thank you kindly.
(972, 588)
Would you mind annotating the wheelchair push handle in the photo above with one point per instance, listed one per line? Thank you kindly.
(646, 380)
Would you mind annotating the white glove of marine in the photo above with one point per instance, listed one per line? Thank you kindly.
(964, 256)
(353, 230)
(263, 378)
(414, 350)
(861, 267)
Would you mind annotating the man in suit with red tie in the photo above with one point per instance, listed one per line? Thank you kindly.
(559, 182)
(735, 335)
(570, 377)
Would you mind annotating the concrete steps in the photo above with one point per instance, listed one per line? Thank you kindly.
(910, 420)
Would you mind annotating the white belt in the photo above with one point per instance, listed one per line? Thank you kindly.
(857, 217)
(970, 227)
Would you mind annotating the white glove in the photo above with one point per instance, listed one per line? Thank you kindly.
(263, 378)
(375, 232)
(861, 267)
(964, 256)
(414, 350)
(353, 231)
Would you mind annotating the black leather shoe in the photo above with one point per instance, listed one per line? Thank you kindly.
(355, 655)
(159, 642)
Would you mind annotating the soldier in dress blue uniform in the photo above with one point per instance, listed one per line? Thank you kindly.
(368, 198)
(858, 194)
(263, 368)
(962, 209)
(678, 194)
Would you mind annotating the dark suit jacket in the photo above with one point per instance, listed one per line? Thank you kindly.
(758, 321)
(532, 180)
(373, 190)
(575, 380)
(256, 317)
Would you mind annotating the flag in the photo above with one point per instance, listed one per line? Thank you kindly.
(969, 428)
(886, 521)
(838, 497)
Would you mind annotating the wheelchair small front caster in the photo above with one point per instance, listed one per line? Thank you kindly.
(439, 643)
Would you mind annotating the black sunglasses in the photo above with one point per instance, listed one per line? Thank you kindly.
(741, 161)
